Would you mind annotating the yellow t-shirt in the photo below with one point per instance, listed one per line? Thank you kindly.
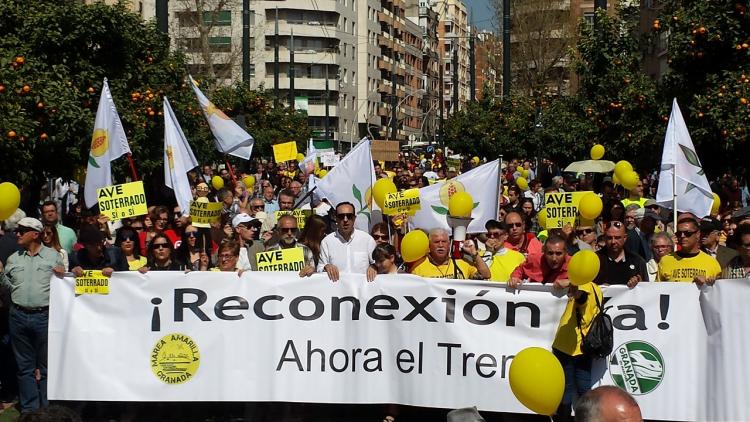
(503, 263)
(569, 335)
(429, 270)
(674, 267)
(136, 264)
(641, 202)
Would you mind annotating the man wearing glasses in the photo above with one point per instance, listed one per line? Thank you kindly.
(617, 265)
(518, 239)
(28, 274)
(710, 229)
(286, 232)
(739, 266)
(346, 250)
(689, 264)
(500, 260)
(248, 229)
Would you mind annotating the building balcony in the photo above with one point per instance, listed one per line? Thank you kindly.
(303, 30)
(320, 109)
(308, 84)
(306, 56)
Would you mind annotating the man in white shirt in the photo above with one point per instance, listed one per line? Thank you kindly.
(346, 250)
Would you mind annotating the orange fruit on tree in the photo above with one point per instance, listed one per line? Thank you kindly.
(11, 134)
(43, 136)
(26, 88)
(20, 60)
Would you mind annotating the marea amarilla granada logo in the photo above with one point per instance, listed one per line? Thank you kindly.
(637, 367)
(99, 145)
(175, 358)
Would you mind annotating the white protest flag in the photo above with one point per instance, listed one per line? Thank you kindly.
(351, 181)
(682, 180)
(108, 143)
(308, 164)
(229, 136)
(480, 183)
(178, 159)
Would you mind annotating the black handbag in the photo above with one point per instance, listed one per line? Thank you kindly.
(598, 342)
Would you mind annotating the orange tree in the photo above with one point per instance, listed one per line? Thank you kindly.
(53, 58)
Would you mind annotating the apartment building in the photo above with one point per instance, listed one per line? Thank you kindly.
(453, 34)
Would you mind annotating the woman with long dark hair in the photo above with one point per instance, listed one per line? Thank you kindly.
(161, 255)
(313, 233)
(192, 250)
(127, 240)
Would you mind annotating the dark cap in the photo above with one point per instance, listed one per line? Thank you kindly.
(709, 224)
(653, 215)
(741, 214)
(90, 235)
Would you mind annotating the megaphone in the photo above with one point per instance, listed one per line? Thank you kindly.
(459, 225)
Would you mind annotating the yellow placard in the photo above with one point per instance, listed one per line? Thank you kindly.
(285, 152)
(122, 201)
(402, 202)
(562, 208)
(291, 259)
(92, 282)
(300, 215)
(205, 212)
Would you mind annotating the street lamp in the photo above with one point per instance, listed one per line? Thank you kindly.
(419, 92)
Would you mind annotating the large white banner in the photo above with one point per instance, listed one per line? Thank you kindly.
(206, 336)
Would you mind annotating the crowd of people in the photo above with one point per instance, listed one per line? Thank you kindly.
(634, 238)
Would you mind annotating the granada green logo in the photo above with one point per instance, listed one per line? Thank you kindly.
(637, 367)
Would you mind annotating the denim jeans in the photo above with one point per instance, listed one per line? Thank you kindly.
(28, 334)
(577, 371)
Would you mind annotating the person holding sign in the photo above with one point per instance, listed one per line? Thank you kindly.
(347, 249)
(96, 254)
(27, 274)
(286, 232)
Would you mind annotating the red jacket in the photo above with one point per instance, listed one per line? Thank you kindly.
(535, 269)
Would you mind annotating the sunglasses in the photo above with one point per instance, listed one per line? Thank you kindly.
(348, 215)
(685, 233)
(191, 234)
(495, 235)
(515, 224)
(128, 239)
(287, 230)
(380, 236)
(584, 232)
(158, 246)
(615, 224)
(23, 230)
(257, 207)
(226, 257)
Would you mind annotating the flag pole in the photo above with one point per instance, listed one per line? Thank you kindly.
(674, 193)
(500, 184)
(132, 167)
(229, 167)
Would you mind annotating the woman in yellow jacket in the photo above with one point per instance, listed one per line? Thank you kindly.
(574, 325)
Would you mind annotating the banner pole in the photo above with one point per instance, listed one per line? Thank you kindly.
(231, 170)
(132, 167)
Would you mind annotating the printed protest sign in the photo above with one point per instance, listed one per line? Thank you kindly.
(92, 282)
(291, 259)
(402, 202)
(122, 201)
(205, 212)
(561, 208)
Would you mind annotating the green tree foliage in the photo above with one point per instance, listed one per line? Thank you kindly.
(54, 56)
(709, 57)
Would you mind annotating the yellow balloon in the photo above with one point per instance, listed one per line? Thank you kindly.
(597, 152)
(583, 267)
(541, 218)
(415, 245)
(525, 174)
(300, 157)
(381, 189)
(590, 206)
(391, 174)
(615, 179)
(322, 173)
(475, 159)
(249, 181)
(622, 167)
(10, 198)
(716, 205)
(217, 182)
(537, 380)
(629, 180)
(460, 204)
(522, 183)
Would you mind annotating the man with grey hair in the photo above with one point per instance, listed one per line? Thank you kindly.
(661, 245)
(607, 404)
(439, 264)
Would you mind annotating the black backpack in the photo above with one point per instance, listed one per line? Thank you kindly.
(598, 342)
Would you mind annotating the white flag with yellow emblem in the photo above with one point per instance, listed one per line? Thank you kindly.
(178, 159)
(228, 135)
(480, 183)
(108, 143)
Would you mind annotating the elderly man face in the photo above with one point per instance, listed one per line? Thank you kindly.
(439, 246)
(256, 205)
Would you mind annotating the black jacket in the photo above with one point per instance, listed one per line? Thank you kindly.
(112, 258)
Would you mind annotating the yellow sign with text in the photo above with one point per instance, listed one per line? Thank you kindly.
(291, 259)
(92, 282)
(562, 209)
(402, 202)
(122, 201)
(285, 152)
(205, 212)
(300, 215)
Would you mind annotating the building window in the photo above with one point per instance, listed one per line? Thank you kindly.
(589, 18)
(218, 18)
(220, 44)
